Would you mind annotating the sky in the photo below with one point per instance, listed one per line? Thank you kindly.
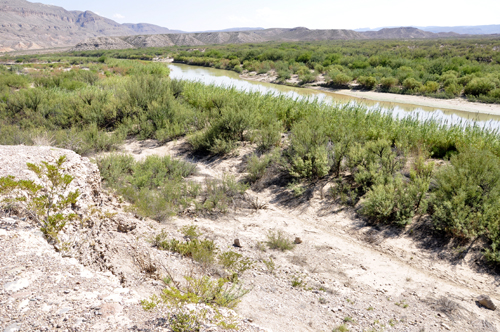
(199, 15)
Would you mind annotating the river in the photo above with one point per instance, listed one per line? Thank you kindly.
(227, 78)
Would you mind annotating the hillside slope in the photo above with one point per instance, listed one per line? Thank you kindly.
(257, 36)
(406, 33)
(26, 25)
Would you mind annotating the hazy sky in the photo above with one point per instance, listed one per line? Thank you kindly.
(194, 15)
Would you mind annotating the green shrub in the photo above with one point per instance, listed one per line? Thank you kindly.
(465, 201)
(411, 84)
(308, 153)
(154, 185)
(307, 77)
(269, 134)
(278, 240)
(224, 132)
(373, 163)
(495, 93)
(256, 167)
(284, 75)
(13, 80)
(340, 79)
(479, 86)
(218, 292)
(453, 89)
(47, 203)
(399, 200)
(155, 171)
(430, 87)
(388, 82)
(367, 82)
(220, 194)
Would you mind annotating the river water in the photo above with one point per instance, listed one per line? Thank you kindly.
(227, 78)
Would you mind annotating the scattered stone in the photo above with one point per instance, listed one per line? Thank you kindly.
(64, 310)
(445, 326)
(111, 309)
(113, 298)
(13, 328)
(126, 225)
(298, 240)
(17, 285)
(237, 243)
(486, 301)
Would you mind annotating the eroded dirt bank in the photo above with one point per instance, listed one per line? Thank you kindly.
(344, 271)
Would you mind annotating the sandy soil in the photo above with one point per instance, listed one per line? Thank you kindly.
(455, 104)
(371, 279)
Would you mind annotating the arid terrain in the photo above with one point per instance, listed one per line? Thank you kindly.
(257, 36)
(344, 271)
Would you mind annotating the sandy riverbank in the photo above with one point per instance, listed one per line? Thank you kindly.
(455, 104)
(458, 104)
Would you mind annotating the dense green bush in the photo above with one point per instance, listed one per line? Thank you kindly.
(367, 82)
(465, 200)
(388, 82)
(399, 199)
(224, 132)
(411, 84)
(479, 86)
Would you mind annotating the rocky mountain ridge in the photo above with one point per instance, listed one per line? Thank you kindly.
(25, 25)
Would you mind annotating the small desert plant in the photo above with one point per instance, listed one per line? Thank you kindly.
(297, 189)
(46, 202)
(402, 304)
(270, 264)
(278, 240)
(43, 139)
(298, 281)
(218, 292)
(256, 204)
(341, 328)
(256, 167)
(234, 263)
(190, 232)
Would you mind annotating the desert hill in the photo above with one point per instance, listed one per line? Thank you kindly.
(26, 25)
(405, 33)
(209, 38)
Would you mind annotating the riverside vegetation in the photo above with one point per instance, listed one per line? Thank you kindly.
(437, 68)
(386, 168)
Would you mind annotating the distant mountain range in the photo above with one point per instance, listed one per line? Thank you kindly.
(26, 25)
(253, 36)
(467, 30)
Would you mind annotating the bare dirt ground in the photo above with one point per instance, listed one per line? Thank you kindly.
(369, 278)
(344, 271)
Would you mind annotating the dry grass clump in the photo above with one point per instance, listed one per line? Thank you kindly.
(278, 240)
